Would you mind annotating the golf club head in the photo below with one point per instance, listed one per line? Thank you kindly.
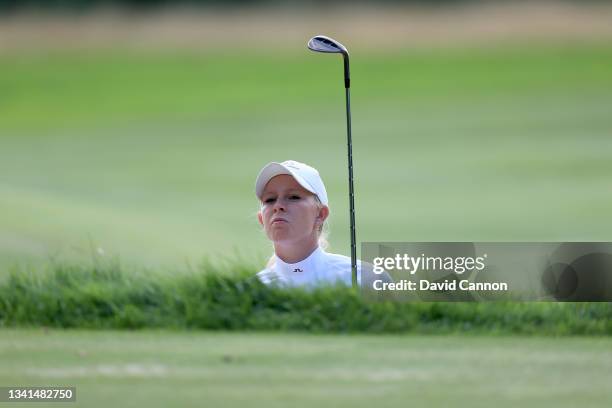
(321, 43)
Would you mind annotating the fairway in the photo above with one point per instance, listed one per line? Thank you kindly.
(152, 156)
(193, 369)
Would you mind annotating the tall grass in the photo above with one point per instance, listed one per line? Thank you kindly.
(216, 298)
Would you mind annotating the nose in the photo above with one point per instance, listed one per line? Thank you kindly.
(279, 205)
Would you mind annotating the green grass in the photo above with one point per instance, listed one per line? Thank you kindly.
(153, 156)
(159, 369)
(213, 298)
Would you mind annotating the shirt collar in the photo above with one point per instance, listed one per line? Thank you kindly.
(307, 265)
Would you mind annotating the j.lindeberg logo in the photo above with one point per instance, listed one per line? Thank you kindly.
(297, 270)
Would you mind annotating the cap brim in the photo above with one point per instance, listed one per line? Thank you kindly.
(276, 169)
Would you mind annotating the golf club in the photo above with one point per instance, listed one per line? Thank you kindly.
(321, 43)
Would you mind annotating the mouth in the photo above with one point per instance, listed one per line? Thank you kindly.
(278, 220)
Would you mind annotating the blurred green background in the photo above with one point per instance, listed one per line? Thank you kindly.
(152, 155)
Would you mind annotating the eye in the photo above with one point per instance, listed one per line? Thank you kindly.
(294, 197)
(269, 200)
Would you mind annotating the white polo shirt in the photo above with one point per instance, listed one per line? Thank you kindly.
(319, 268)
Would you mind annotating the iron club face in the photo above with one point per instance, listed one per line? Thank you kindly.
(321, 43)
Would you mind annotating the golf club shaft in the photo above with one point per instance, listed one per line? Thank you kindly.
(351, 190)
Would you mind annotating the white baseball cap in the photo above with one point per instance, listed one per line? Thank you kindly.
(308, 177)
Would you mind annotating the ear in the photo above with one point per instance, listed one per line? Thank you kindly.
(260, 218)
(323, 214)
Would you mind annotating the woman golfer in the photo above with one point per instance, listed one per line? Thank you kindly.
(293, 212)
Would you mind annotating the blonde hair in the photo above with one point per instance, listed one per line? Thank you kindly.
(323, 235)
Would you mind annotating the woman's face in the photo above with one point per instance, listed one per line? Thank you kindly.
(289, 212)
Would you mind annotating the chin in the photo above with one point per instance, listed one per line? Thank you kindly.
(281, 239)
(279, 236)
